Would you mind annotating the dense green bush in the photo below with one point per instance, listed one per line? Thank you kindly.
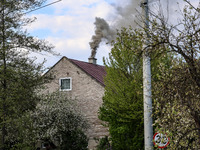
(74, 140)
(58, 119)
(104, 144)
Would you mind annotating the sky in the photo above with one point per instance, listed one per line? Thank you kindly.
(69, 25)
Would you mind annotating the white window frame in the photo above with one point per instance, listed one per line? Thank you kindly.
(70, 84)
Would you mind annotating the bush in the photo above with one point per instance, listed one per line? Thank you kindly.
(104, 144)
(75, 140)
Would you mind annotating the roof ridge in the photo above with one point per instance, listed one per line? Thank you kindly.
(95, 71)
(85, 62)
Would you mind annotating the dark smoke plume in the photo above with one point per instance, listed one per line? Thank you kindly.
(127, 13)
(102, 31)
(124, 17)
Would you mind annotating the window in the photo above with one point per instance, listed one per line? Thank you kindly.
(65, 84)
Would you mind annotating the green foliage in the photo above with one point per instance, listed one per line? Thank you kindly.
(75, 140)
(177, 86)
(20, 77)
(123, 101)
(177, 103)
(104, 144)
(122, 105)
(21, 134)
(58, 119)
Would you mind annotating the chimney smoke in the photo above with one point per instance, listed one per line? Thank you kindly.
(124, 17)
(126, 13)
(102, 31)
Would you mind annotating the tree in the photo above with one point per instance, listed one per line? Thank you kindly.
(20, 77)
(178, 88)
(177, 93)
(122, 105)
(58, 119)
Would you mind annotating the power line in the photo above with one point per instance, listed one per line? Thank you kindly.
(42, 6)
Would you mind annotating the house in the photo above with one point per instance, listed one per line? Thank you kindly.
(82, 81)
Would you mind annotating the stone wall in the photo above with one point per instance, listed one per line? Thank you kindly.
(87, 91)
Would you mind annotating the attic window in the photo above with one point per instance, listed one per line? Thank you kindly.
(65, 84)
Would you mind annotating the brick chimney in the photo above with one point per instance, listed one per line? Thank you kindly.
(92, 60)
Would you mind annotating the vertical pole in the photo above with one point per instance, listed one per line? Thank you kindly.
(4, 78)
(148, 122)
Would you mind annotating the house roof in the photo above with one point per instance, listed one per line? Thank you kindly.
(97, 72)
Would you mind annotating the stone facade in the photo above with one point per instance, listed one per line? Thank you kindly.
(86, 90)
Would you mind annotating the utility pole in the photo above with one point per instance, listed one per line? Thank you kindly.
(148, 122)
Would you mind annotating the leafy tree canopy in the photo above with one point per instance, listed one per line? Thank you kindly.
(20, 77)
(177, 90)
(123, 104)
(58, 119)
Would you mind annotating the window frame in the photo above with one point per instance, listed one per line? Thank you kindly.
(70, 79)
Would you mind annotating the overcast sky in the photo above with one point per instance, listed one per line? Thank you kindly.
(69, 25)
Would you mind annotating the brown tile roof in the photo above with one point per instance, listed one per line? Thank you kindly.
(97, 72)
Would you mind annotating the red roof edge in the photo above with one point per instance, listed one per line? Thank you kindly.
(97, 72)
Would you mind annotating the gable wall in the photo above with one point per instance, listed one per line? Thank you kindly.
(86, 90)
